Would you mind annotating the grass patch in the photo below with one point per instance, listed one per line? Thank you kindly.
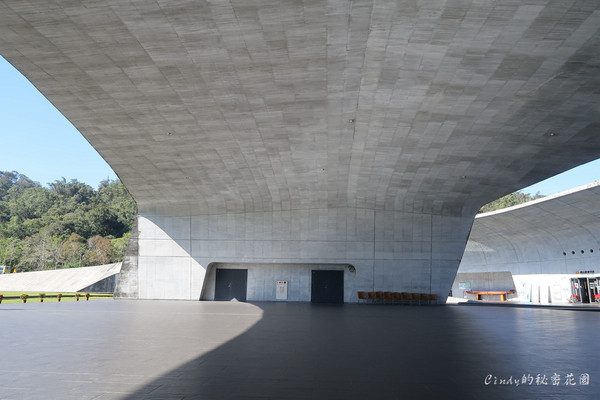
(51, 297)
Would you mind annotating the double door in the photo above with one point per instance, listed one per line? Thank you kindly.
(231, 284)
(327, 286)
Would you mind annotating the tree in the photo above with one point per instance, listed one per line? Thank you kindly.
(67, 224)
(11, 250)
(118, 247)
(4, 211)
(106, 222)
(41, 251)
(98, 250)
(73, 251)
(12, 184)
(114, 196)
(33, 203)
(7, 180)
(20, 229)
(68, 197)
(74, 222)
(511, 199)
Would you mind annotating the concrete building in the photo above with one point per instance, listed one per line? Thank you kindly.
(313, 144)
(550, 247)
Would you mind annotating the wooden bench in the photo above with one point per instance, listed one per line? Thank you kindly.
(397, 297)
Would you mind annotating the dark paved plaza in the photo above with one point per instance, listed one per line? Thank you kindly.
(219, 350)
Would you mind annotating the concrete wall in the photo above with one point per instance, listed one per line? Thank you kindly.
(127, 285)
(106, 285)
(60, 280)
(262, 279)
(390, 251)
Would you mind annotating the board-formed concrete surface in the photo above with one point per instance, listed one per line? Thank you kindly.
(60, 280)
(358, 132)
(167, 350)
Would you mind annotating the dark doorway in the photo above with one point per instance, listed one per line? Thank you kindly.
(579, 287)
(585, 294)
(231, 284)
(327, 286)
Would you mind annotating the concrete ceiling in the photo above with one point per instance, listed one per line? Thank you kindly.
(230, 106)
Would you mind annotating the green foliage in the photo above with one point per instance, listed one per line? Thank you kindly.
(118, 247)
(31, 203)
(73, 251)
(11, 250)
(98, 250)
(511, 199)
(68, 224)
(40, 251)
(13, 183)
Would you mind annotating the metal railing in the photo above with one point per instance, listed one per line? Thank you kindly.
(59, 296)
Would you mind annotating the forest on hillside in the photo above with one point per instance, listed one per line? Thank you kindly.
(511, 199)
(64, 225)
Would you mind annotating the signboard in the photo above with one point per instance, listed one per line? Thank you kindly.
(281, 292)
(464, 285)
(525, 295)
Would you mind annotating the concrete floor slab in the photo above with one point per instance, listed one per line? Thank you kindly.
(118, 349)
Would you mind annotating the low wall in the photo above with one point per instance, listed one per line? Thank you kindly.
(61, 280)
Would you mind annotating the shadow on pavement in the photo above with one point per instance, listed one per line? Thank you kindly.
(305, 351)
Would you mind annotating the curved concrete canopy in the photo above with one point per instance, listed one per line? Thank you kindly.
(228, 106)
(558, 234)
(317, 132)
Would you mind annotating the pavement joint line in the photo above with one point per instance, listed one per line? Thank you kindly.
(70, 373)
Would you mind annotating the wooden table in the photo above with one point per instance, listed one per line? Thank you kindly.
(479, 293)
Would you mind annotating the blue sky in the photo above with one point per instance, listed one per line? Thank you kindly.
(37, 141)
(579, 176)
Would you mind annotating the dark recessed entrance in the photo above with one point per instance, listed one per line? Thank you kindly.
(327, 286)
(231, 284)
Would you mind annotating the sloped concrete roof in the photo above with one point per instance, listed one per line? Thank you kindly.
(237, 106)
(59, 280)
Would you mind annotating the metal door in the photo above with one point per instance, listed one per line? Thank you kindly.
(231, 284)
(327, 286)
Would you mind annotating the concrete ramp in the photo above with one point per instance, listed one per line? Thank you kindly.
(60, 280)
